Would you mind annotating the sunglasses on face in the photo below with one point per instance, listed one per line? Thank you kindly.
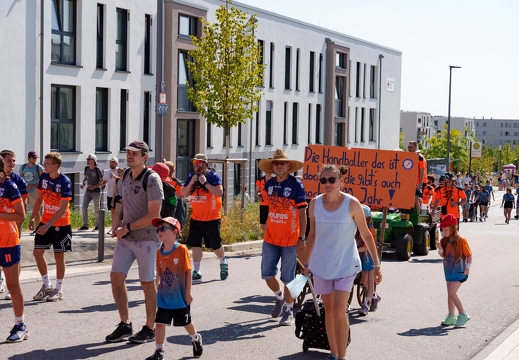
(330, 180)
(197, 162)
(279, 163)
(164, 228)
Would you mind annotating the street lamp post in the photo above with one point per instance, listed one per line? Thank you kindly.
(380, 57)
(448, 157)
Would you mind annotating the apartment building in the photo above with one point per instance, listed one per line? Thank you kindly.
(497, 132)
(78, 78)
(464, 125)
(417, 126)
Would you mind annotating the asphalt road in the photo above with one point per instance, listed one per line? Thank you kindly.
(233, 316)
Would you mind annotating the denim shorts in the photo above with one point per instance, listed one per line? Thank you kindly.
(270, 258)
(367, 261)
(145, 252)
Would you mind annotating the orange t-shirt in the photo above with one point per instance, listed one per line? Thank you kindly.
(206, 206)
(422, 165)
(52, 192)
(446, 196)
(260, 184)
(9, 195)
(428, 191)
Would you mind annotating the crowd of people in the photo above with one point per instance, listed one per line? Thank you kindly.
(333, 233)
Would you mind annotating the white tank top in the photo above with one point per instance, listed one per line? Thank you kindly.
(335, 252)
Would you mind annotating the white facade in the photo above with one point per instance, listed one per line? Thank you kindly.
(497, 132)
(417, 126)
(317, 120)
(464, 125)
(27, 83)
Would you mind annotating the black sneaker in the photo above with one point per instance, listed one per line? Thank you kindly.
(95, 229)
(197, 347)
(123, 331)
(145, 335)
(83, 228)
(157, 355)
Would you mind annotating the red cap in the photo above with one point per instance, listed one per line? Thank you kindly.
(170, 220)
(448, 220)
(163, 171)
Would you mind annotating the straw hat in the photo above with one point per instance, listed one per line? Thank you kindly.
(279, 155)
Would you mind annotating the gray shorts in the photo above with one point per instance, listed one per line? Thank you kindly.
(145, 252)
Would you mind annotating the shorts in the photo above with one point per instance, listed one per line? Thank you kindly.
(367, 261)
(60, 237)
(145, 252)
(109, 203)
(208, 231)
(323, 287)
(509, 205)
(455, 277)
(10, 256)
(418, 193)
(117, 199)
(483, 203)
(264, 214)
(270, 256)
(180, 317)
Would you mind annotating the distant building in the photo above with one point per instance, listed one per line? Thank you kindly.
(417, 126)
(496, 132)
(463, 125)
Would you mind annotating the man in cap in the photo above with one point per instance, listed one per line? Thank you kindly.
(204, 185)
(136, 240)
(449, 197)
(286, 225)
(93, 178)
(109, 180)
(31, 172)
(421, 179)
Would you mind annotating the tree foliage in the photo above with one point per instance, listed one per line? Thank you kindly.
(226, 69)
(459, 148)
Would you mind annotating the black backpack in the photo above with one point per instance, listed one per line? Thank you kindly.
(170, 201)
(181, 210)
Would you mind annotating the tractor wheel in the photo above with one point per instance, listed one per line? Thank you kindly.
(421, 241)
(404, 247)
(435, 236)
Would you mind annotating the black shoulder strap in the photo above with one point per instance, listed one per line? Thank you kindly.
(144, 177)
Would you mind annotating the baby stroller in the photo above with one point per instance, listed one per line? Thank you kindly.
(473, 211)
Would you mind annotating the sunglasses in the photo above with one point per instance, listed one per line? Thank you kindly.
(164, 228)
(330, 180)
(279, 163)
(198, 162)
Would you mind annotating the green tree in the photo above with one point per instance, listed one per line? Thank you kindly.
(437, 148)
(226, 70)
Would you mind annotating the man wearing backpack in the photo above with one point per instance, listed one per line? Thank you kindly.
(205, 188)
(169, 204)
(93, 178)
(136, 240)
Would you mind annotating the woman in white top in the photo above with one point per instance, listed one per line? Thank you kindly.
(332, 252)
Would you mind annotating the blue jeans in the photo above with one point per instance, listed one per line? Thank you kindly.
(270, 258)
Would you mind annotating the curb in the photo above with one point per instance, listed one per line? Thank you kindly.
(497, 342)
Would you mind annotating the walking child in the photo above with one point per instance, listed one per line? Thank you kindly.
(174, 287)
(457, 259)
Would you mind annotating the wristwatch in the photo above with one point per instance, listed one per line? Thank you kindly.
(303, 238)
(48, 224)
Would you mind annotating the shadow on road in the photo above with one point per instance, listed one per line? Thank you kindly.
(83, 351)
(101, 308)
(426, 261)
(428, 331)
(245, 330)
(311, 354)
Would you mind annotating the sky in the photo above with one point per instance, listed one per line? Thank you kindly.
(481, 36)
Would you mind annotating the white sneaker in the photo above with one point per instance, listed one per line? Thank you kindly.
(2, 285)
(7, 296)
(55, 296)
(42, 294)
(287, 319)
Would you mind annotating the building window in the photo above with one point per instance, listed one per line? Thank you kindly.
(372, 82)
(516, 133)
(371, 124)
(268, 123)
(419, 120)
(357, 124)
(122, 119)
(257, 127)
(297, 69)
(240, 130)
(271, 67)
(484, 124)
(184, 78)
(364, 81)
(309, 139)
(147, 44)
(101, 119)
(339, 92)
(318, 124)
(285, 124)
(362, 124)
(63, 37)
(100, 36)
(357, 82)
(261, 60)
(516, 125)
(507, 133)
(146, 121)
(187, 26)
(484, 133)
(288, 53)
(121, 42)
(320, 73)
(312, 71)
(294, 123)
(209, 135)
(339, 136)
(63, 118)
(340, 60)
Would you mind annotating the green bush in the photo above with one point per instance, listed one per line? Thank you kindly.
(76, 218)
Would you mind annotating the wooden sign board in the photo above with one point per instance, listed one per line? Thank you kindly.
(384, 178)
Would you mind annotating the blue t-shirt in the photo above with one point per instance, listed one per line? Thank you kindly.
(489, 188)
(468, 192)
(20, 182)
(484, 196)
(508, 197)
(31, 175)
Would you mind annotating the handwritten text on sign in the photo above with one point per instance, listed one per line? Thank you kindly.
(375, 177)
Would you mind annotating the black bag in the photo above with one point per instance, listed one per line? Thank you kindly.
(181, 209)
(170, 201)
